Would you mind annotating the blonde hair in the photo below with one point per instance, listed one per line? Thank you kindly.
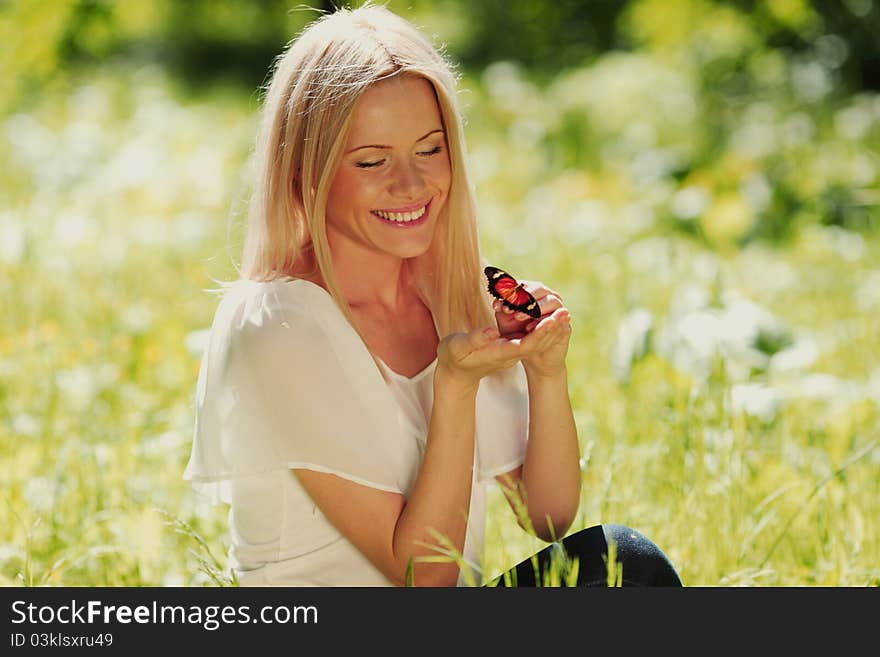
(306, 116)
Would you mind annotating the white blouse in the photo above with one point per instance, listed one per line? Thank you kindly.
(286, 382)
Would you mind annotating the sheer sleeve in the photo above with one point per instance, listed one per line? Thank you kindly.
(502, 423)
(286, 383)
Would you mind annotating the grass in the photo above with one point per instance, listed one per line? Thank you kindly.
(118, 202)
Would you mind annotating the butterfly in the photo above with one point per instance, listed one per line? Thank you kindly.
(512, 294)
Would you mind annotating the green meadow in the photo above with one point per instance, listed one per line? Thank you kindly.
(718, 247)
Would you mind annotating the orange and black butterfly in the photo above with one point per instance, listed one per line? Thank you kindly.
(512, 294)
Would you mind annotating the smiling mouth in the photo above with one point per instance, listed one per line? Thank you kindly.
(404, 219)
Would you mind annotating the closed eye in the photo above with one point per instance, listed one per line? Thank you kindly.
(375, 163)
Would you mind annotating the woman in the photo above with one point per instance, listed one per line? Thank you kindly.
(361, 388)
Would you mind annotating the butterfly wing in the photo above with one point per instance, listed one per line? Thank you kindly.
(505, 287)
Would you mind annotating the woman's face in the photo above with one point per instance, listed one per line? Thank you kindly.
(394, 176)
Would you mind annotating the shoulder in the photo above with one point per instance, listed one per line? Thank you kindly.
(259, 315)
(290, 328)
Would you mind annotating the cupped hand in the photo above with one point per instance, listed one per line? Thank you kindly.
(546, 338)
(468, 357)
(512, 324)
(546, 345)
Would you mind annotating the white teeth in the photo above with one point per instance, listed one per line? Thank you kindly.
(402, 217)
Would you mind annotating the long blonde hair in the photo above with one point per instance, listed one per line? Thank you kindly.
(305, 120)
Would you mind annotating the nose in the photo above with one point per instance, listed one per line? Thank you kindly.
(407, 181)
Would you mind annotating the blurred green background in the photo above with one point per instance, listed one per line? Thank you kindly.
(699, 179)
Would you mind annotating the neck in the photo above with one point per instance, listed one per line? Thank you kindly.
(373, 280)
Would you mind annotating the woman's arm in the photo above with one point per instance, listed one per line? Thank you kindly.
(390, 529)
(548, 484)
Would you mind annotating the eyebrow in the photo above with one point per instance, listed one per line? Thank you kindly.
(423, 137)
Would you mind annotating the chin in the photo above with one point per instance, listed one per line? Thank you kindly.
(412, 251)
(414, 247)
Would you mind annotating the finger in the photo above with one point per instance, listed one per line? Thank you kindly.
(538, 290)
(499, 307)
(476, 340)
(549, 303)
(481, 337)
(562, 317)
(531, 326)
(551, 333)
(551, 321)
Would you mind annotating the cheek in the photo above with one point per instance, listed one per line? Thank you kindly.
(441, 173)
(347, 192)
